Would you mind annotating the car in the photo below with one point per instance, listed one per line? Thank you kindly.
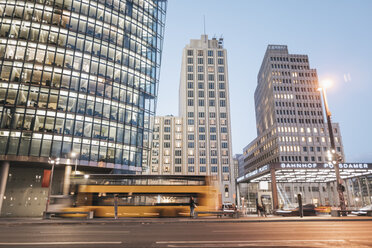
(363, 210)
(228, 207)
(308, 210)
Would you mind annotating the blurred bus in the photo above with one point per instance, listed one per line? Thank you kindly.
(143, 195)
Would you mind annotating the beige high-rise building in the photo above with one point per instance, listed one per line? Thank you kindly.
(198, 142)
(205, 107)
(289, 115)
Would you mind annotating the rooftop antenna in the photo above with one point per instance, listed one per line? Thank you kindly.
(205, 37)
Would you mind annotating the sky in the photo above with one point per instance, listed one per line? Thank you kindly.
(336, 35)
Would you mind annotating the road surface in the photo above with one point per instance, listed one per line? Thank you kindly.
(158, 234)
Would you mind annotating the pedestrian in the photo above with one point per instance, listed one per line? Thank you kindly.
(192, 207)
(263, 210)
(259, 210)
(116, 206)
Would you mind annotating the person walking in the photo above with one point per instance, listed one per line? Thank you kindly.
(192, 207)
(263, 213)
(259, 210)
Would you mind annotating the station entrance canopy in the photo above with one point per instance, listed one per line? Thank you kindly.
(305, 172)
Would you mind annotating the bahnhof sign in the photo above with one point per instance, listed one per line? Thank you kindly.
(277, 185)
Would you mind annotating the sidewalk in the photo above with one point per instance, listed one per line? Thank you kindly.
(30, 221)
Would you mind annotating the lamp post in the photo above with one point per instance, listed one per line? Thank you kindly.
(53, 162)
(335, 158)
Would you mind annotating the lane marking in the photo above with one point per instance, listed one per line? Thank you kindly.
(82, 232)
(64, 243)
(247, 241)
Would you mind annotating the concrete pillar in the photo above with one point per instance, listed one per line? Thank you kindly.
(4, 171)
(66, 183)
(274, 189)
(368, 191)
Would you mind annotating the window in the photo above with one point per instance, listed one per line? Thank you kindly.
(178, 169)
(225, 169)
(189, 60)
(211, 86)
(167, 129)
(224, 145)
(222, 86)
(304, 149)
(210, 77)
(201, 103)
(190, 52)
(202, 160)
(190, 160)
(191, 168)
(190, 137)
(212, 103)
(221, 69)
(190, 68)
(190, 122)
(220, 53)
(200, 52)
(220, 61)
(210, 61)
(201, 114)
(200, 86)
(211, 94)
(221, 77)
(210, 53)
(213, 137)
(177, 152)
(200, 68)
(203, 169)
(213, 160)
(190, 114)
(190, 85)
(200, 61)
(190, 102)
(190, 144)
(201, 129)
(222, 103)
(166, 144)
(178, 160)
(214, 169)
(200, 77)
(201, 94)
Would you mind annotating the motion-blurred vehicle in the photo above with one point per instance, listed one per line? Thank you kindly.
(323, 209)
(143, 195)
(363, 210)
(308, 210)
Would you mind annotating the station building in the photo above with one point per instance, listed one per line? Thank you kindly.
(291, 152)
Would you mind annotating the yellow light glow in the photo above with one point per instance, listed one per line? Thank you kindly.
(325, 84)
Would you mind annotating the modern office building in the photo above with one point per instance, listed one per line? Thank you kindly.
(76, 77)
(289, 115)
(291, 127)
(205, 108)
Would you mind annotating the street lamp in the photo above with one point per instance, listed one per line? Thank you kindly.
(333, 155)
(52, 161)
(74, 155)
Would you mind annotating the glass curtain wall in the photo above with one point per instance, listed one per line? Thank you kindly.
(79, 75)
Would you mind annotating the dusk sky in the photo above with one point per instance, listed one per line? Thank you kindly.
(337, 36)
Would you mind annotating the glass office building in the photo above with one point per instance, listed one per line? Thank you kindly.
(79, 76)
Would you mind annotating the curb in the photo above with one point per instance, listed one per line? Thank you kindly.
(58, 222)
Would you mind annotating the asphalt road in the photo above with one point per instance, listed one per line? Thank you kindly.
(271, 234)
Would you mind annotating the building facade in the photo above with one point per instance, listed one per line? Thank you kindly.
(79, 77)
(291, 129)
(289, 116)
(205, 108)
(167, 147)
